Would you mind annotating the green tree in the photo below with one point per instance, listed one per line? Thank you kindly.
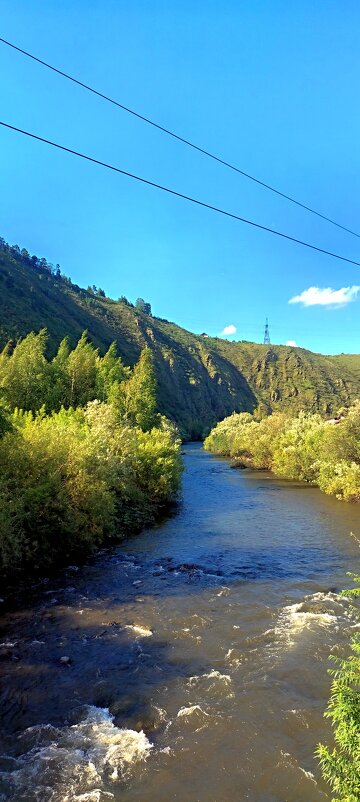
(140, 392)
(143, 306)
(81, 369)
(342, 441)
(110, 371)
(59, 390)
(24, 373)
(5, 424)
(296, 452)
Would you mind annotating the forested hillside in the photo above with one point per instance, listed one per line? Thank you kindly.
(200, 379)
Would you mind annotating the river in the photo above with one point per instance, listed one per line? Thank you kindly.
(189, 663)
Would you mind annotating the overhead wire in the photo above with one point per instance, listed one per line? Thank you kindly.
(177, 194)
(179, 138)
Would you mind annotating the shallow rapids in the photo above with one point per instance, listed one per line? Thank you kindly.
(190, 662)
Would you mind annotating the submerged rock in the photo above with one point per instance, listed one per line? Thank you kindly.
(65, 660)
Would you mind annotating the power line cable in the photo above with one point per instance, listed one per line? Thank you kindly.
(178, 194)
(178, 137)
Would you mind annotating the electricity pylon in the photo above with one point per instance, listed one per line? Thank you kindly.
(267, 334)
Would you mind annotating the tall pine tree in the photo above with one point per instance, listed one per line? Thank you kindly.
(140, 393)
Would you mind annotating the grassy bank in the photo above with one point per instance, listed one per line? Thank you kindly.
(325, 453)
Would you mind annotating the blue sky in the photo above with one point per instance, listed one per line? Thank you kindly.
(272, 87)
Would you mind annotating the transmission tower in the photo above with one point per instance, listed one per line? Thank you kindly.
(267, 333)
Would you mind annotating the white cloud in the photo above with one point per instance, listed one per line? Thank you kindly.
(229, 330)
(292, 342)
(315, 296)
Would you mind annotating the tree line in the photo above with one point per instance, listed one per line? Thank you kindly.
(43, 267)
(84, 456)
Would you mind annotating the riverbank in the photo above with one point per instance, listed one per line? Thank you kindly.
(85, 457)
(309, 448)
(76, 480)
(198, 652)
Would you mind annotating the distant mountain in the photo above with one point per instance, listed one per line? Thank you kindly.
(201, 379)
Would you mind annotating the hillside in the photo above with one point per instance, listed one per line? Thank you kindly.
(201, 379)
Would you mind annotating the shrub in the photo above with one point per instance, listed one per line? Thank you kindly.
(305, 447)
(70, 480)
(83, 456)
(341, 765)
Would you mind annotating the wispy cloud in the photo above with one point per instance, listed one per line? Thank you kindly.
(315, 296)
(292, 342)
(229, 330)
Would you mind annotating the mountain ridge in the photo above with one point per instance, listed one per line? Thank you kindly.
(201, 379)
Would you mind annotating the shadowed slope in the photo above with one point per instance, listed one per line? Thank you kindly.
(201, 379)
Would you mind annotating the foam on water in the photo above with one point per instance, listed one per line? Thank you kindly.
(321, 610)
(188, 711)
(233, 673)
(292, 761)
(212, 680)
(233, 657)
(74, 763)
(140, 631)
(192, 719)
(94, 796)
(217, 675)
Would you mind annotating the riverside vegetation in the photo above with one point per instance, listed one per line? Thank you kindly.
(200, 379)
(341, 765)
(84, 457)
(325, 453)
(307, 447)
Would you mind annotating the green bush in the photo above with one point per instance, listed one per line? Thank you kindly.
(295, 452)
(340, 479)
(341, 765)
(306, 447)
(72, 479)
(83, 455)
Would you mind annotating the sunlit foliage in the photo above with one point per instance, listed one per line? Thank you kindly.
(83, 455)
(307, 447)
(140, 392)
(341, 765)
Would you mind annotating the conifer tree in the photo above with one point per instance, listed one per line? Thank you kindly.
(141, 392)
(25, 373)
(81, 369)
(110, 370)
(59, 391)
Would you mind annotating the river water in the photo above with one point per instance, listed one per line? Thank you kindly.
(188, 663)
